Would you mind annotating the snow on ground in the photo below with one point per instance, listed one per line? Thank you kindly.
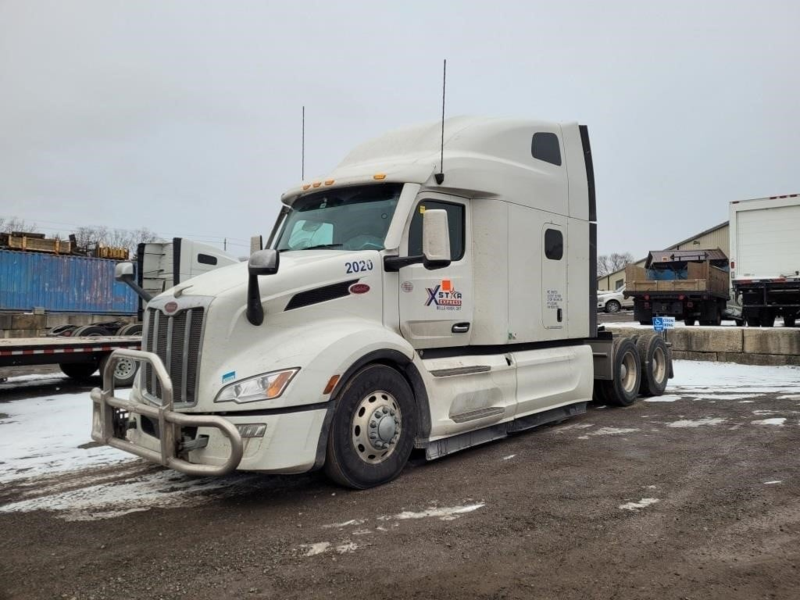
(680, 324)
(42, 436)
(48, 459)
(728, 381)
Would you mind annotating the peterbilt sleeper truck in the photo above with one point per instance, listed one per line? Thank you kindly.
(403, 301)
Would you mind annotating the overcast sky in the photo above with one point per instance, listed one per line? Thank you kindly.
(184, 117)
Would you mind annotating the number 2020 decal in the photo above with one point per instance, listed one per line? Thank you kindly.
(359, 266)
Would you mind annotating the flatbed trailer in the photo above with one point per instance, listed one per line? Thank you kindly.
(78, 357)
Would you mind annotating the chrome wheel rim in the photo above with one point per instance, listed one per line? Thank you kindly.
(628, 372)
(659, 365)
(376, 427)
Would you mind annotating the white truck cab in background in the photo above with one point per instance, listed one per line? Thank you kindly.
(397, 305)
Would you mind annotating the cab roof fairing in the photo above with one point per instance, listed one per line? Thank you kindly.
(476, 158)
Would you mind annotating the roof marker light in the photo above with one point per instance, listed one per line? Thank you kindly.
(306, 186)
(329, 181)
(316, 184)
(379, 176)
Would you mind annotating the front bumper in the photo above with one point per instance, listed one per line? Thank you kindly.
(111, 416)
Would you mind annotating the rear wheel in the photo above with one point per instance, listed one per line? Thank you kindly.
(613, 306)
(373, 429)
(626, 368)
(688, 321)
(130, 329)
(654, 357)
(78, 371)
(767, 318)
(789, 320)
(90, 331)
(753, 322)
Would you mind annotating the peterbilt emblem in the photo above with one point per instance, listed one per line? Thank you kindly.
(359, 288)
(170, 307)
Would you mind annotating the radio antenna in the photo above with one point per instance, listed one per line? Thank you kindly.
(303, 148)
(440, 175)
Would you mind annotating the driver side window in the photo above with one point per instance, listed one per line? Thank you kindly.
(456, 223)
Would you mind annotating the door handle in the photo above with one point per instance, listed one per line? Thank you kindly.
(460, 328)
(560, 315)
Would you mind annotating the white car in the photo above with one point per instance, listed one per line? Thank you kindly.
(613, 301)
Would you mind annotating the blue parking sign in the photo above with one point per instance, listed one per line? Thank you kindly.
(663, 323)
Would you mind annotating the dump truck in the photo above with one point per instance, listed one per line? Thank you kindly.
(765, 258)
(690, 285)
(418, 296)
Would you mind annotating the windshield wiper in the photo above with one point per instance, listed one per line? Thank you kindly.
(312, 247)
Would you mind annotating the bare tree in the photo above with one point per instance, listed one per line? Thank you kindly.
(611, 263)
(93, 236)
(9, 224)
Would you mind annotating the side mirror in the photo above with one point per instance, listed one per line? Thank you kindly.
(263, 262)
(125, 273)
(435, 239)
(435, 245)
(255, 244)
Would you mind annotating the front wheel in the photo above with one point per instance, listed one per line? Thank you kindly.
(373, 429)
(612, 306)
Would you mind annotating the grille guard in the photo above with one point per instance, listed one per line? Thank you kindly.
(169, 421)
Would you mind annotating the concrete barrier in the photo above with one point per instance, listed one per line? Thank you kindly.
(747, 346)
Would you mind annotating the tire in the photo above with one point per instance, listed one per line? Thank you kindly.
(622, 391)
(789, 321)
(130, 329)
(90, 331)
(79, 371)
(688, 321)
(753, 322)
(124, 370)
(654, 356)
(645, 321)
(352, 460)
(613, 306)
(767, 318)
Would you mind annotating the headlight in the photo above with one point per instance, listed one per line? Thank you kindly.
(261, 387)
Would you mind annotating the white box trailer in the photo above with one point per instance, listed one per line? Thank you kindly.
(765, 258)
(399, 304)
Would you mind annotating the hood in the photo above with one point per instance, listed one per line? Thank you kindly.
(298, 269)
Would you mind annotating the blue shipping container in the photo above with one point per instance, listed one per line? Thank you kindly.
(62, 284)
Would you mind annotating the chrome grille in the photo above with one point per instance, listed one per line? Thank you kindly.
(176, 340)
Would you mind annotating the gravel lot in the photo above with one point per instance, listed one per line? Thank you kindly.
(693, 496)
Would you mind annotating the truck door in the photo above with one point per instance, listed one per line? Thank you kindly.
(436, 307)
(554, 276)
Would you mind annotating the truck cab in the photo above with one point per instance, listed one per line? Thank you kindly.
(400, 303)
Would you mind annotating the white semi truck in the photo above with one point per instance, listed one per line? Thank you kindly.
(765, 258)
(398, 305)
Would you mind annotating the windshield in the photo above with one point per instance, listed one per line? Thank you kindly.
(352, 218)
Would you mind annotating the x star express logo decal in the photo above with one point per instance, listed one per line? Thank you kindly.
(444, 296)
